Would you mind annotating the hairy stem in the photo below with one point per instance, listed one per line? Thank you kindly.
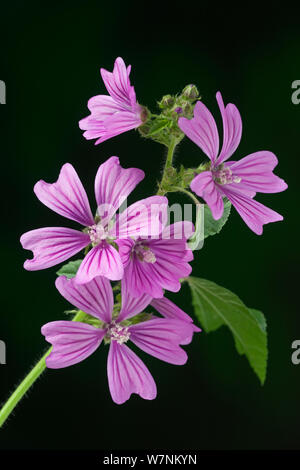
(29, 380)
(169, 160)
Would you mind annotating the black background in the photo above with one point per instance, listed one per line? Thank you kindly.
(50, 59)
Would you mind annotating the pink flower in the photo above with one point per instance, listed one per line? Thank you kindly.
(237, 180)
(68, 198)
(154, 264)
(114, 114)
(74, 341)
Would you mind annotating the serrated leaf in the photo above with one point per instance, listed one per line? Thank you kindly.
(216, 306)
(70, 269)
(212, 226)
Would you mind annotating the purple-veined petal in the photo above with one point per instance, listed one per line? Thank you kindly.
(102, 260)
(131, 306)
(125, 248)
(94, 127)
(179, 230)
(166, 273)
(117, 83)
(256, 173)
(146, 217)
(67, 196)
(170, 310)
(52, 245)
(254, 214)
(72, 342)
(113, 184)
(204, 186)
(161, 338)
(141, 280)
(103, 106)
(202, 130)
(118, 123)
(171, 262)
(232, 129)
(95, 297)
(127, 374)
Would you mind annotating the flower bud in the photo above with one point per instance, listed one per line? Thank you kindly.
(178, 110)
(190, 92)
(144, 114)
(166, 102)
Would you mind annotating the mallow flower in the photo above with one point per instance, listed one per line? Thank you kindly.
(117, 113)
(152, 264)
(67, 197)
(239, 181)
(72, 342)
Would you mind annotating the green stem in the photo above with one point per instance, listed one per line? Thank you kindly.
(168, 164)
(191, 195)
(29, 380)
(170, 154)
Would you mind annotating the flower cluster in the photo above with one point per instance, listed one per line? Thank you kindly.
(136, 247)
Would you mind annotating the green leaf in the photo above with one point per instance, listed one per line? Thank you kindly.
(216, 306)
(70, 269)
(260, 319)
(158, 125)
(212, 226)
(206, 225)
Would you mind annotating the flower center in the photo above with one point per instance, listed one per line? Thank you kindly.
(223, 175)
(118, 332)
(97, 233)
(144, 253)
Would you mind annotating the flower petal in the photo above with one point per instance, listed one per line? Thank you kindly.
(125, 248)
(256, 173)
(202, 130)
(146, 217)
(67, 196)
(127, 374)
(72, 342)
(117, 83)
(204, 186)
(141, 279)
(254, 214)
(95, 297)
(179, 230)
(52, 245)
(131, 306)
(113, 184)
(232, 129)
(170, 310)
(118, 126)
(94, 127)
(102, 260)
(102, 106)
(161, 338)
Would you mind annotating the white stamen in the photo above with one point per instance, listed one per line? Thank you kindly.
(118, 332)
(224, 175)
(97, 233)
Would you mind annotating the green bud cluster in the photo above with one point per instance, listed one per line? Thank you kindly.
(164, 127)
